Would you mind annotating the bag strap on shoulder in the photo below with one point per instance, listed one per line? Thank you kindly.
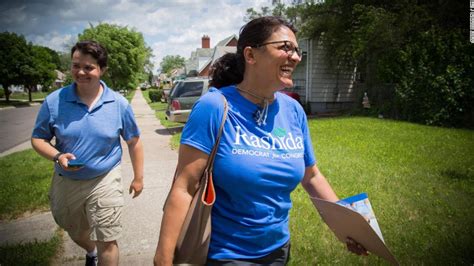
(212, 155)
(210, 161)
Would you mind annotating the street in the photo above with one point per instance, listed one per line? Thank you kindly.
(17, 125)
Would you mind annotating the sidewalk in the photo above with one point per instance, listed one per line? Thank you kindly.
(142, 215)
(21, 147)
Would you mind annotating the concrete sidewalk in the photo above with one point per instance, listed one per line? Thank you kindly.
(142, 215)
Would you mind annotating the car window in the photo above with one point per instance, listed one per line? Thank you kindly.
(173, 87)
(188, 89)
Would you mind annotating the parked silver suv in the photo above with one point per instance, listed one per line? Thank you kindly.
(182, 97)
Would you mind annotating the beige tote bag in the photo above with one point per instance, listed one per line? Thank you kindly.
(195, 235)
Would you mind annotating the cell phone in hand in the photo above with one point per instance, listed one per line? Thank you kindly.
(75, 164)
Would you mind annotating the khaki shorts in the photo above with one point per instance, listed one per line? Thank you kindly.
(93, 206)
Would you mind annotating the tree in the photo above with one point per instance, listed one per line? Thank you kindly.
(150, 78)
(129, 56)
(408, 44)
(55, 57)
(25, 64)
(170, 62)
(264, 11)
(193, 73)
(14, 53)
(279, 9)
(39, 70)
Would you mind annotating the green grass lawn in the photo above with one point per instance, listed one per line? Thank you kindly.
(15, 103)
(175, 141)
(420, 181)
(24, 95)
(24, 183)
(130, 95)
(20, 99)
(160, 109)
(38, 253)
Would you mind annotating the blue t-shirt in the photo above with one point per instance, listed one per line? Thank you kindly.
(92, 136)
(255, 169)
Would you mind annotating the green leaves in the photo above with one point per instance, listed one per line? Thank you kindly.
(24, 63)
(437, 88)
(41, 67)
(170, 62)
(420, 48)
(129, 56)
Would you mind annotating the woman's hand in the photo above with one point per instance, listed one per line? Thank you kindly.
(64, 159)
(191, 165)
(158, 261)
(136, 187)
(355, 247)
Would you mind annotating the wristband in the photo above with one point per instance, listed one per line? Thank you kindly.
(56, 157)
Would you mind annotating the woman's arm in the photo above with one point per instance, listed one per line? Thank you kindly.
(191, 164)
(316, 184)
(135, 150)
(44, 148)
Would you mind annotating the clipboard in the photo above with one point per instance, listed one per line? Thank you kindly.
(345, 223)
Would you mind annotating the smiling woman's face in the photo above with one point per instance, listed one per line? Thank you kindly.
(273, 61)
(85, 70)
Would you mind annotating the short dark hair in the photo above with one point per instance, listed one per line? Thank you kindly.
(229, 69)
(94, 49)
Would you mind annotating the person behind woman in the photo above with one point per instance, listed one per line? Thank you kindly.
(87, 119)
(264, 152)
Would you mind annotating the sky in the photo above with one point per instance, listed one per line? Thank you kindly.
(169, 27)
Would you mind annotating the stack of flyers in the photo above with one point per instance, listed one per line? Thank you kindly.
(361, 204)
(354, 218)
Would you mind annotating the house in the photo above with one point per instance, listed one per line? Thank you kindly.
(323, 88)
(202, 58)
(155, 81)
(60, 78)
(176, 72)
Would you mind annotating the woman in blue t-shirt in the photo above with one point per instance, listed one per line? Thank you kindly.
(265, 151)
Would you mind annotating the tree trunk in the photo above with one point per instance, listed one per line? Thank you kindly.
(7, 93)
(29, 94)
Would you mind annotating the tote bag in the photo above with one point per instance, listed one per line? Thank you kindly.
(195, 235)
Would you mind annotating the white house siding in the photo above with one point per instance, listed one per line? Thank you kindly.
(327, 90)
(299, 74)
(299, 80)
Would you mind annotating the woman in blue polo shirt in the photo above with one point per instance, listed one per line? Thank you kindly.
(264, 153)
(87, 120)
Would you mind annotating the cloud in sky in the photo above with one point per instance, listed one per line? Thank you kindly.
(170, 27)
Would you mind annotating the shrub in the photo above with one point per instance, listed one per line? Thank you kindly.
(155, 95)
(435, 84)
(2, 93)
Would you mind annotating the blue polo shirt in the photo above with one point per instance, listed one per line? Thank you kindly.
(93, 136)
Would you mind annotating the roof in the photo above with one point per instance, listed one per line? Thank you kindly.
(222, 50)
(202, 57)
(226, 40)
